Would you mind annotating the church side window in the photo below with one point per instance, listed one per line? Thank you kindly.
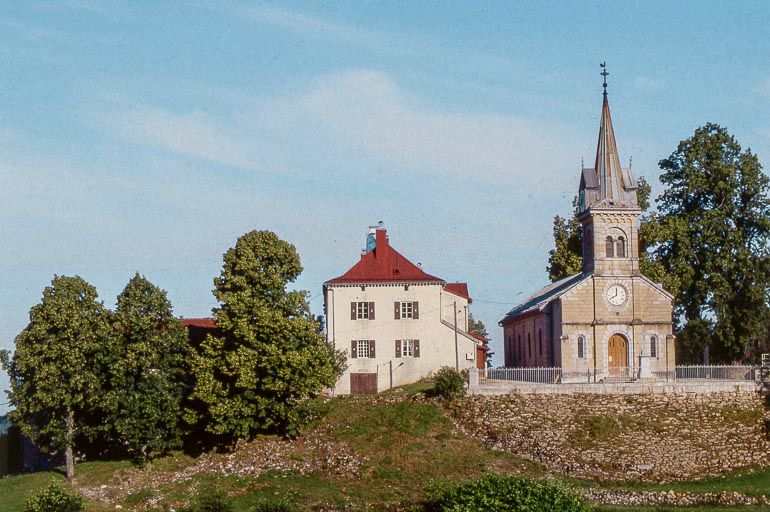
(581, 347)
(529, 343)
(540, 341)
(610, 247)
(521, 349)
(621, 252)
(653, 346)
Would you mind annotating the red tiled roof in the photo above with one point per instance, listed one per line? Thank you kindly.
(459, 289)
(478, 336)
(201, 323)
(383, 264)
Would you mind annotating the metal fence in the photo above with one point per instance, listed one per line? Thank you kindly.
(715, 372)
(549, 375)
(554, 375)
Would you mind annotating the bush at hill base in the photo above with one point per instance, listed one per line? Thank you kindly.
(493, 493)
(55, 498)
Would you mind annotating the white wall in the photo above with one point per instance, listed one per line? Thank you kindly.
(437, 341)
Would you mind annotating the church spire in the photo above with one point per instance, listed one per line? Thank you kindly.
(607, 184)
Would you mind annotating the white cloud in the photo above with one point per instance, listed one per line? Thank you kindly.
(363, 114)
(195, 134)
(301, 22)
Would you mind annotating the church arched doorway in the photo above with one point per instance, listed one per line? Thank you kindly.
(617, 355)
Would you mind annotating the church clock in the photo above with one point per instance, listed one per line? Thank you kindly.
(616, 295)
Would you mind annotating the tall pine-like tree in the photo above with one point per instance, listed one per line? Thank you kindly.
(269, 356)
(55, 371)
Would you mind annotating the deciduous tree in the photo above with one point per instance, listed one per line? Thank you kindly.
(270, 355)
(712, 232)
(146, 371)
(55, 369)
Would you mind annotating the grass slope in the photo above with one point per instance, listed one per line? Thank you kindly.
(404, 443)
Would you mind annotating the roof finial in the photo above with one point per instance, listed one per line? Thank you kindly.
(604, 74)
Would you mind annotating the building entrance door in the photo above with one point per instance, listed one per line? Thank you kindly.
(363, 383)
(617, 356)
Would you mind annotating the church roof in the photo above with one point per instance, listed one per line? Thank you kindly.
(607, 184)
(541, 298)
(383, 263)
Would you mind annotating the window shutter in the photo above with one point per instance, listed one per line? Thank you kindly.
(416, 351)
(398, 348)
(353, 349)
(397, 310)
(371, 311)
(416, 310)
(353, 311)
(371, 349)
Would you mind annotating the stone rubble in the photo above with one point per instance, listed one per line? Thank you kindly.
(659, 437)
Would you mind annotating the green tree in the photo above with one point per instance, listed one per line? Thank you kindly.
(54, 372)
(712, 232)
(477, 326)
(566, 258)
(146, 371)
(270, 355)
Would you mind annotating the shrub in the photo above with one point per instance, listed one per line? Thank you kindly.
(493, 493)
(448, 383)
(271, 506)
(55, 498)
(210, 501)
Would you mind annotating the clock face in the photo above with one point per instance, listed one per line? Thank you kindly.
(616, 295)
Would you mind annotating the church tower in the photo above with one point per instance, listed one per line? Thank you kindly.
(608, 323)
(608, 207)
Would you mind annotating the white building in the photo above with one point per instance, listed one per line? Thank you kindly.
(396, 323)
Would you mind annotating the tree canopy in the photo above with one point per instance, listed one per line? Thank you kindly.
(269, 355)
(712, 232)
(54, 372)
(146, 372)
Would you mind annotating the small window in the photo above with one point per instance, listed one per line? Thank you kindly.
(653, 346)
(407, 348)
(581, 347)
(621, 245)
(529, 343)
(610, 247)
(363, 348)
(404, 309)
(362, 310)
(540, 341)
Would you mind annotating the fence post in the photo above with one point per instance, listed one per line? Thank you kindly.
(473, 378)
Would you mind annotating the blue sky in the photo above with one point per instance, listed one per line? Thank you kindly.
(145, 137)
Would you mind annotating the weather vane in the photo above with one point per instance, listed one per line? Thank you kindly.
(604, 74)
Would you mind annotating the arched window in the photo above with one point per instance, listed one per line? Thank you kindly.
(621, 252)
(581, 347)
(610, 247)
(653, 346)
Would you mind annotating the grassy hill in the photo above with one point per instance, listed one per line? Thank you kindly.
(359, 453)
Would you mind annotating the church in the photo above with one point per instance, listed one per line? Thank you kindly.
(609, 322)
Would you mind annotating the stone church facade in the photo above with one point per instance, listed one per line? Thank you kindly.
(609, 322)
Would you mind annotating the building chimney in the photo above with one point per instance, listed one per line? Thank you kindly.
(381, 248)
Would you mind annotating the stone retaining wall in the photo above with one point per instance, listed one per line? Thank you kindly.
(654, 437)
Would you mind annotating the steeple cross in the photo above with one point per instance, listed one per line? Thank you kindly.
(604, 74)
